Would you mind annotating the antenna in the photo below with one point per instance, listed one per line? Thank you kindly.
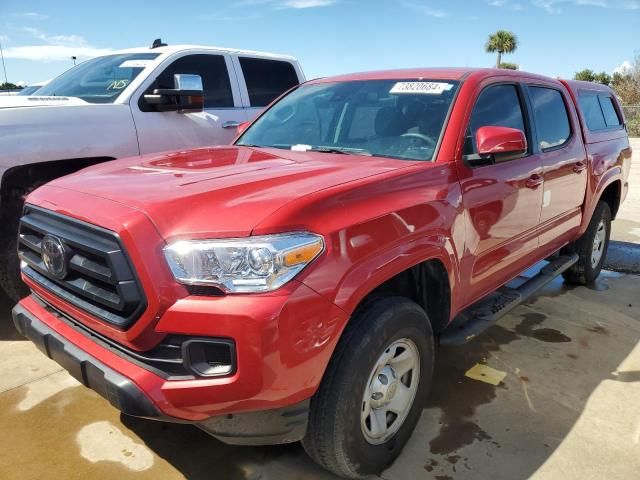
(3, 65)
(158, 43)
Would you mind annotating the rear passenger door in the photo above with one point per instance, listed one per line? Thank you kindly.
(262, 80)
(215, 125)
(558, 144)
(502, 200)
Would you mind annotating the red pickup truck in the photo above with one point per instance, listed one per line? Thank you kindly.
(294, 285)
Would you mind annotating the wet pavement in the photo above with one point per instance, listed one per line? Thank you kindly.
(567, 408)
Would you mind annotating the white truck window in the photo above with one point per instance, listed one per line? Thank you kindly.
(99, 80)
(267, 79)
(215, 79)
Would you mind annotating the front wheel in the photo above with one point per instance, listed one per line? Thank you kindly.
(374, 389)
(591, 247)
(10, 280)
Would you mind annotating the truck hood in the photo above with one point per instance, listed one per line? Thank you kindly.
(18, 101)
(219, 191)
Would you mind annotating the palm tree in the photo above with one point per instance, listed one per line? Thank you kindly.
(502, 41)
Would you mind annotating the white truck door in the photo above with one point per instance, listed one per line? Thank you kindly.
(262, 80)
(215, 125)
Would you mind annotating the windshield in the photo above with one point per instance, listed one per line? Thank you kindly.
(99, 80)
(29, 90)
(391, 118)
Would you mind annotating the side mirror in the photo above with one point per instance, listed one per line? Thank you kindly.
(242, 127)
(500, 143)
(187, 95)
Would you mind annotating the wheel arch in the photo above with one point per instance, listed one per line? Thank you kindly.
(26, 177)
(427, 283)
(611, 194)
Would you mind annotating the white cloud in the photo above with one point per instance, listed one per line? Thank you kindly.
(425, 9)
(55, 48)
(555, 6)
(286, 4)
(306, 3)
(52, 53)
(32, 15)
(623, 68)
(508, 4)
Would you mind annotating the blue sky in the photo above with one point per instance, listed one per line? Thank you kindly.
(557, 37)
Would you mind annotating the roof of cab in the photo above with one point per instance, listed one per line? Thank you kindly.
(169, 49)
(453, 73)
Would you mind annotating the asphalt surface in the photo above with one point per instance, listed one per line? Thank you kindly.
(567, 407)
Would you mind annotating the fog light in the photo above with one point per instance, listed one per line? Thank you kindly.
(210, 358)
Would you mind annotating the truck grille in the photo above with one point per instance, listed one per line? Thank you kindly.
(83, 264)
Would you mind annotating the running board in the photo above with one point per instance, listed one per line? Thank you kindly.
(484, 313)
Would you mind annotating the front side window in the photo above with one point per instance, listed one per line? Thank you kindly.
(99, 80)
(213, 71)
(550, 115)
(498, 106)
(392, 118)
(267, 79)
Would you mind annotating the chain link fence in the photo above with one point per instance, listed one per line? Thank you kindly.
(632, 116)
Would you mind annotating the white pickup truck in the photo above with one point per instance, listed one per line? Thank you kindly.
(129, 102)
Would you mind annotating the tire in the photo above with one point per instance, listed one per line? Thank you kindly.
(591, 246)
(335, 436)
(10, 214)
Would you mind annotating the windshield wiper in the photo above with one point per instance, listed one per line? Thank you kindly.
(341, 150)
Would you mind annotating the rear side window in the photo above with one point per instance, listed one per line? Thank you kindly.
(550, 114)
(498, 105)
(267, 79)
(592, 112)
(599, 111)
(610, 115)
(214, 73)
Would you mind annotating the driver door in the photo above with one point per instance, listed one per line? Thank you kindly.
(215, 125)
(502, 201)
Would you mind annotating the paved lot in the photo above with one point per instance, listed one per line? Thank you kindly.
(567, 409)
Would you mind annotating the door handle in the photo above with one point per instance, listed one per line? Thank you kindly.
(579, 167)
(534, 181)
(231, 124)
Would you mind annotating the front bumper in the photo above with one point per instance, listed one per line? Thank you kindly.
(283, 344)
(266, 427)
(120, 391)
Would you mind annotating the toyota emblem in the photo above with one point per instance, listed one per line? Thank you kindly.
(54, 256)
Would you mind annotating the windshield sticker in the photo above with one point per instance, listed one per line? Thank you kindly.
(135, 64)
(118, 84)
(300, 147)
(428, 88)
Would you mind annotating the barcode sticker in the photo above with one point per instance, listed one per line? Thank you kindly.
(135, 64)
(427, 88)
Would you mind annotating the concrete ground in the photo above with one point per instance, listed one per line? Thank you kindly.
(566, 409)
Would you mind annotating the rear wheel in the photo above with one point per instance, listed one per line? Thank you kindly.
(374, 389)
(591, 247)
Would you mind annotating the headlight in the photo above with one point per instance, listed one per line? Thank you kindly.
(252, 264)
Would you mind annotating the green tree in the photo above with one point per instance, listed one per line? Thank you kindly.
(509, 66)
(586, 75)
(589, 75)
(626, 84)
(603, 78)
(9, 86)
(502, 42)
